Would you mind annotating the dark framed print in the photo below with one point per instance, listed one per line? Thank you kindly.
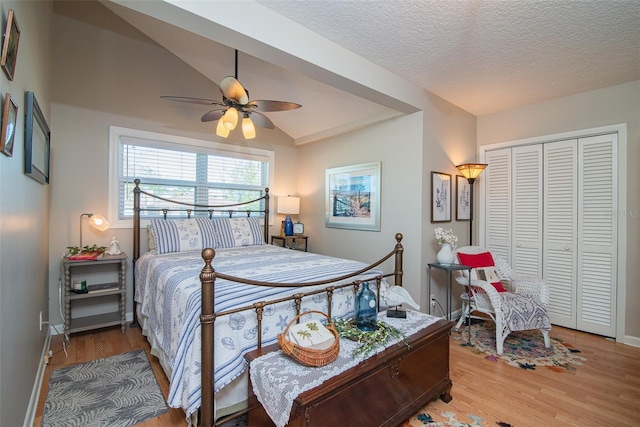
(463, 199)
(9, 116)
(440, 197)
(353, 197)
(10, 46)
(37, 141)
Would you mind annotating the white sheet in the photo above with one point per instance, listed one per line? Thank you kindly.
(168, 291)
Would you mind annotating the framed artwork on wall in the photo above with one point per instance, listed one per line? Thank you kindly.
(440, 197)
(37, 141)
(353, 197)
(463, 199)
(10, 46)
(9, 116)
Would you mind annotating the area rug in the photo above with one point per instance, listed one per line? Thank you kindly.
(117, 391)
(524, 349)
(449, 419)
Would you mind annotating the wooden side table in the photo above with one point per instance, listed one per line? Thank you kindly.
(291, 242)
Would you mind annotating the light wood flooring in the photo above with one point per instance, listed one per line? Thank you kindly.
(605, 391)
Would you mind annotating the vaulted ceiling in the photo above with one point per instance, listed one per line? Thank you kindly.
(352, 63)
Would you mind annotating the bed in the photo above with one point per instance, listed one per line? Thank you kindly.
(211, 289)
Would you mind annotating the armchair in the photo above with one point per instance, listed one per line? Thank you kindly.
(522, 308)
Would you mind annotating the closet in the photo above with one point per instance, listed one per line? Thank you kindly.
(550, 209)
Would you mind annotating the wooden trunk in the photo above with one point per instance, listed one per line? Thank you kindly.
(384, 390)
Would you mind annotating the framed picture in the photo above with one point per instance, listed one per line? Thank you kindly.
(10, 46)
(440, 197)
(9, 116)
(37, 140)
(353, 197)
(463, 199)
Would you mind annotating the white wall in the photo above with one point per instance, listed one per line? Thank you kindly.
(608, 106)
(24, 224)
(106, 73)
(409, 147)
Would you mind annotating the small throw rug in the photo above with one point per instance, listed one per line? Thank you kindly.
(448, 419)
(524, 349)
(117, 391)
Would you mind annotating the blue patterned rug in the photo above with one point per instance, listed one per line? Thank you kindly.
(117, 391)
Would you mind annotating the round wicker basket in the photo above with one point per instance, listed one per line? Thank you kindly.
(310, 356)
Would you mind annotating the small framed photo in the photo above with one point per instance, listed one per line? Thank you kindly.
(353, 197)
(9, 116)
(10, 46)
(463, 199)
(440, 197)
(37, 140)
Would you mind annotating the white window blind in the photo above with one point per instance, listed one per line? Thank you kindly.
(185, 170)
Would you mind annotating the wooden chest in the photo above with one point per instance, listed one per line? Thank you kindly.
(384, 390)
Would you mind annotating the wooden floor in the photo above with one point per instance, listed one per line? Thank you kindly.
(605, 391)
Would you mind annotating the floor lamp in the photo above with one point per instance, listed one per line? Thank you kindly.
(471, 171)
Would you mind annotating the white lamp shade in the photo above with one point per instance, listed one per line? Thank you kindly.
(98, 222)
(230, 118)
(221, 130)
(248, 129)
(289, 205)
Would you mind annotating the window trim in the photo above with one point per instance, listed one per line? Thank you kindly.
(115, 135)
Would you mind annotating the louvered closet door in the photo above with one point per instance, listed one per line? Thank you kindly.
(560, 230)
(597, 242)
(498, 202)
(526, 219)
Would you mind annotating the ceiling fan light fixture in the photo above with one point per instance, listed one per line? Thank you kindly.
(248, 129)
(230, 118)
(221, 129)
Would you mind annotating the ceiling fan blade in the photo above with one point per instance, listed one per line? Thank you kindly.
(212, 116)
(261, 120)
(233, 89)
(266, 105)
(200, 101)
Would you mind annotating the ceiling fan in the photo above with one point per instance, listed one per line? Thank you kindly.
(235, 104)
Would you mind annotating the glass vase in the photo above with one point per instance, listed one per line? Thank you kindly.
(366, 313)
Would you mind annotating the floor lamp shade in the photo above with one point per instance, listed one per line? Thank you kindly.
(471, 171)
(288, 206)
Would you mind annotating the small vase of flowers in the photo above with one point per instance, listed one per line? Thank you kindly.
(447, 241)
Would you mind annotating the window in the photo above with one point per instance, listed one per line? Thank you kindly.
(182, 169)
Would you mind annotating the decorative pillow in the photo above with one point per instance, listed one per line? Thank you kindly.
(234, 232)
(151, 238)
(483, 268)
(180, 235)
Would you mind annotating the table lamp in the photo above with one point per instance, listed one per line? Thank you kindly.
(288, 206)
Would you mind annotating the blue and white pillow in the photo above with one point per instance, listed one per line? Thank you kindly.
(234, 232)
(180, 235)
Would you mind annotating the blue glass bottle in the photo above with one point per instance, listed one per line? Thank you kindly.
(366, 313)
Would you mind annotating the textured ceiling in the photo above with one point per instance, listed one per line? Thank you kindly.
(483, 56)
(486, 56)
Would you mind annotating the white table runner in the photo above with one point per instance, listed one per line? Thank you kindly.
(277, 379)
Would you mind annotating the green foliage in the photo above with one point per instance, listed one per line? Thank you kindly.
(370, 340)
(75, 250)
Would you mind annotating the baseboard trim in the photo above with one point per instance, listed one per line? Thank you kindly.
(35, 393)
(632, 341)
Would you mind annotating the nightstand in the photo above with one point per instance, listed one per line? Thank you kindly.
(291, 242)
(105, 281)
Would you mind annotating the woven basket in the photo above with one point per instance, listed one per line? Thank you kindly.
(310, 356)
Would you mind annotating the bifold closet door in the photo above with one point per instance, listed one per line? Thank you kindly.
(597, 234)
(560, 230)
(497, 210)
(526, 215)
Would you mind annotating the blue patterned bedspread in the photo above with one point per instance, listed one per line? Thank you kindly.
(168, 291)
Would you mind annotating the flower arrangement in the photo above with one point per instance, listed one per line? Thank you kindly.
(445, 236)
